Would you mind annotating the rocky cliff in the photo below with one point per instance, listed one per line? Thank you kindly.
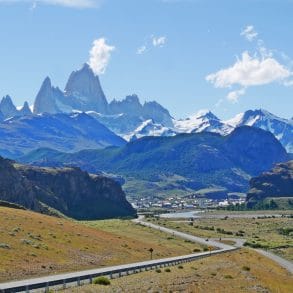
(275, 183)
(73, 192)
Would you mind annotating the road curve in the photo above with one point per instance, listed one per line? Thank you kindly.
(56, 280)
(238, 243)
(210, 242)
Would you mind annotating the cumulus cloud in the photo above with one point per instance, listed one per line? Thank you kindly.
(159, 41)
(249, 33)
(100, 54)
(250, 71)
(65, 3)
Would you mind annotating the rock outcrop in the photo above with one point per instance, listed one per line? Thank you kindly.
(275, 183)
(72, 192)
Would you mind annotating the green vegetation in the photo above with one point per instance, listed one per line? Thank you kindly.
(246, 268)
(265, 231)
(101, 281)
(201, 159)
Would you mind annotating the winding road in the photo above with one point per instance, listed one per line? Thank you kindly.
(212, 242)
(78, 278)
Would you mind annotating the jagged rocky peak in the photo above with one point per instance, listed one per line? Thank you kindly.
(130, 105)
(85, 86)
(155, 111)
(7, 107)
(45, 101)
(25, 110)
(207, 114)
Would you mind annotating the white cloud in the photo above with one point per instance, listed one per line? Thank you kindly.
(159, 41)
(151, 41)
(66, 3)
(233, 96)
(249, 33)
(100, 55)
(141, 50)
(258, 69)
(250, 71)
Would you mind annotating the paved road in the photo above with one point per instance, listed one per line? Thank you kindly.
(186, 236)
(73, 277)
(86, 275)
(76, 277)
(281, 261)
(238, 243)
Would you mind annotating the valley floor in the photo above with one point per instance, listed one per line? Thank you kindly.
(240, 271)
(258, 229)
(33, 244)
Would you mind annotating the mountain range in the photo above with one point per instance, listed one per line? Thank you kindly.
(63, 132)
(127, 118)
(200, 160)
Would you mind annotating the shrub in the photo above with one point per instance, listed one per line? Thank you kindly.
(180, 267)
(196, 250)
(4, 245)
(101, 281)
(246, 268)
(167, 270)
(228, 277)
(255, 245)
(158, 271)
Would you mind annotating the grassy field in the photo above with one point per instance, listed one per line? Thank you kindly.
(240, 271)
(266, 233)
(32, 244)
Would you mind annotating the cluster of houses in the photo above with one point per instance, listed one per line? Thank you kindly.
(183, 203)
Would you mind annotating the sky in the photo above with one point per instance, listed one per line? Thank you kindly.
(188, 55)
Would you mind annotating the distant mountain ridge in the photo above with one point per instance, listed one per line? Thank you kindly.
(131, 119)
(63, 132)
(204, 159)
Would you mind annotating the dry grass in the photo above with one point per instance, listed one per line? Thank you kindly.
(263, 231)
(240, 271)
(32, 245)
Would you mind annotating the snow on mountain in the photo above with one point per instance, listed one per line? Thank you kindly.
(280, 127)
(203, 120)
(149, 128)
(131, 119)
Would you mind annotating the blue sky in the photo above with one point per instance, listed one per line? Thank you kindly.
(226, 56)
